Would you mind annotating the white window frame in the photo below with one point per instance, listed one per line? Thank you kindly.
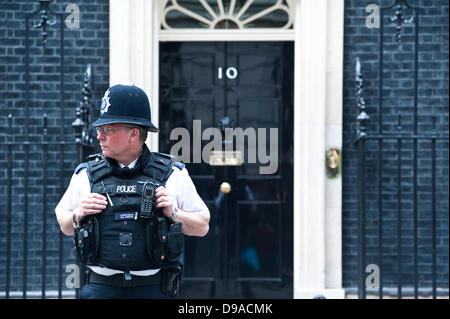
(232, 13)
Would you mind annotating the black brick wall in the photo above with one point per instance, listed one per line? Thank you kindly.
(398, 98)
(87, 44)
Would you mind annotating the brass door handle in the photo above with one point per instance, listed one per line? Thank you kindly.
(225, 188)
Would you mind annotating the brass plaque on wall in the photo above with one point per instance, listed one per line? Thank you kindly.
(333, 162)
(225, 158)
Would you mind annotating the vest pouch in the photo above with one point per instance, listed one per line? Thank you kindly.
(156, 240)
(86, 240)
(162, 230)
(79, 244)
(175, 242)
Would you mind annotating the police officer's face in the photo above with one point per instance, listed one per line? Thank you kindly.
(114, 140)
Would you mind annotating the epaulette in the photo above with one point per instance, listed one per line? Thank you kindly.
(159, 166)
(80, 167)
(164, 155)
(98, 168)
(178, 165)
(96, 157)
(173, 159)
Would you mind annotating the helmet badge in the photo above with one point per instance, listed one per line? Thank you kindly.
(105, 103)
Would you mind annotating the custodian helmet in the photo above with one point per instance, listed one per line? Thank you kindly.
(125, 104)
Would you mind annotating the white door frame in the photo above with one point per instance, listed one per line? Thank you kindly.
(318, 40)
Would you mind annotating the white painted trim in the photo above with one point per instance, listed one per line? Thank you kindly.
(297, 152)
(317, 107)
(226, 35)
(119, 42)
(309, 252)
(153, 45)
(333, 139)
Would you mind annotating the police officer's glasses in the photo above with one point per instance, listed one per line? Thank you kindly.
(110, 130)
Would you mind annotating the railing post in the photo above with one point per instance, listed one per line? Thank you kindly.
(9, 207)
(361, 123)
(84, 136)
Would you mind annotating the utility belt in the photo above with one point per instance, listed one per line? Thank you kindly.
(124, 280)
(168, 279)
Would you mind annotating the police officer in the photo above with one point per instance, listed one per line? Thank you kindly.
(128, 207)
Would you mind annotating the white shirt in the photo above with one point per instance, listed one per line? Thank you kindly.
(179, 184)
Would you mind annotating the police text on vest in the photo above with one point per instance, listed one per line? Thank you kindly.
(126, 189)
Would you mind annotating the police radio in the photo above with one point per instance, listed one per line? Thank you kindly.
(148, 192)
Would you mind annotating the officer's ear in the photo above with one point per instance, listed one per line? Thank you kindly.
(134, 132)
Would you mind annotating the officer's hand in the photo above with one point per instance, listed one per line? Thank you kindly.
(164, 201)
(93, 203)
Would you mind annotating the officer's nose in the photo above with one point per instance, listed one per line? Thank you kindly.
(101, 136)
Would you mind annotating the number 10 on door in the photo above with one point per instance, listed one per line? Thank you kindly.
(231, 73)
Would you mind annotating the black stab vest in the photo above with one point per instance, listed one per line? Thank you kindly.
(121, 238)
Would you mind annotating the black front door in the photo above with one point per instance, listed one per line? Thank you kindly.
(248, 88)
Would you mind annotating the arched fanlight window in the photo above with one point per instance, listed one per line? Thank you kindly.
(226, 14)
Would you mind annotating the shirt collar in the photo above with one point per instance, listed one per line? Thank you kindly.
(132, 164)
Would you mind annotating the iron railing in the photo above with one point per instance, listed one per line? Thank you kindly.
(382, 156)
(36, 157)
(398, 202)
